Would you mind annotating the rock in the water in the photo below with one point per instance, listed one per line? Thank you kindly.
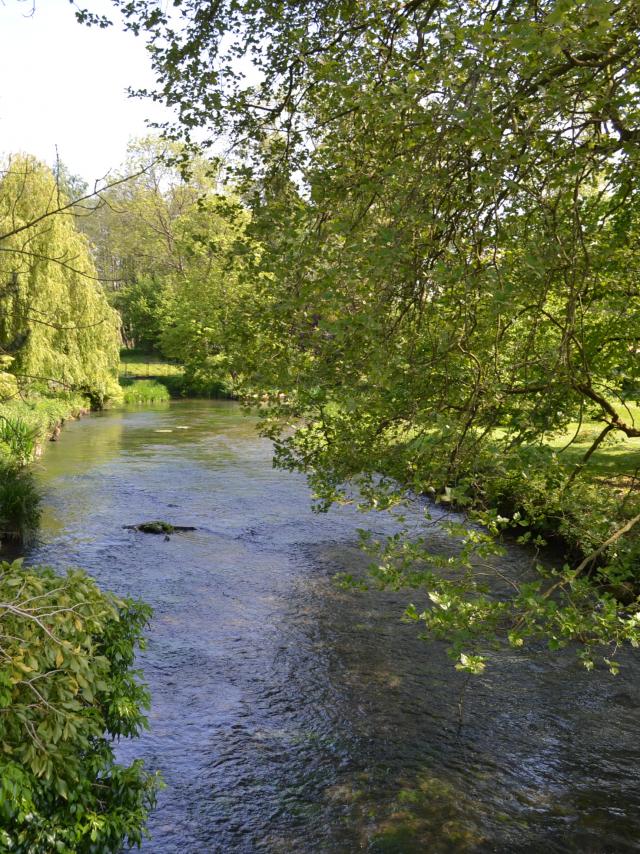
(158, 527)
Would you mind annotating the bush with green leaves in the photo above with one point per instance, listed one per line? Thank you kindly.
(67, 690)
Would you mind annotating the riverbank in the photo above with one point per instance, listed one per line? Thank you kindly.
(29, 422)
(26, 425)
(568, 491)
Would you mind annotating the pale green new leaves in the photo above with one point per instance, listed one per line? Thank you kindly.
(54, 318)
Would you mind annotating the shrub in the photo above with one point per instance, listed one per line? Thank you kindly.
(183, 386)
(67, 689)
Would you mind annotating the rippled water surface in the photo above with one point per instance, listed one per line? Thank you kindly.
(289, 716)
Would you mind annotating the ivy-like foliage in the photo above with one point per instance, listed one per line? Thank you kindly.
(67, 689)
(55, 321)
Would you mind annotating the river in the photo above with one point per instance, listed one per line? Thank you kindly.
(291, 716)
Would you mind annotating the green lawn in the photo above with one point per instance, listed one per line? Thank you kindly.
(616, 456)
(134, 364)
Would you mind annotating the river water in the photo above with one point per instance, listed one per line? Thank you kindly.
(291, 716)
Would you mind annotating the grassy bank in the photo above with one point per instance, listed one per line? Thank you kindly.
(559, 492)
(145, 391)
(25, 425)
(618, 458)
(136, 366)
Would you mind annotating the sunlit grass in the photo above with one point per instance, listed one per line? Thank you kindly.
(133, 364)
(145, 391)
(136, 366)
(618, 455)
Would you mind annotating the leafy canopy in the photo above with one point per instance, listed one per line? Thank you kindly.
(444, 197)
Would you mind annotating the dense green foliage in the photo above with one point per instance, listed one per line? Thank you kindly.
(166, 242)
(444, 199)
(211, 384)
(66, 690)
(19, 503)
(55, 323)
(140, 305)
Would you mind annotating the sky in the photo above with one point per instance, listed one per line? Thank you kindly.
(65, 84)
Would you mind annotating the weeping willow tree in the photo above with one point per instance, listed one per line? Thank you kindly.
(56, 325)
